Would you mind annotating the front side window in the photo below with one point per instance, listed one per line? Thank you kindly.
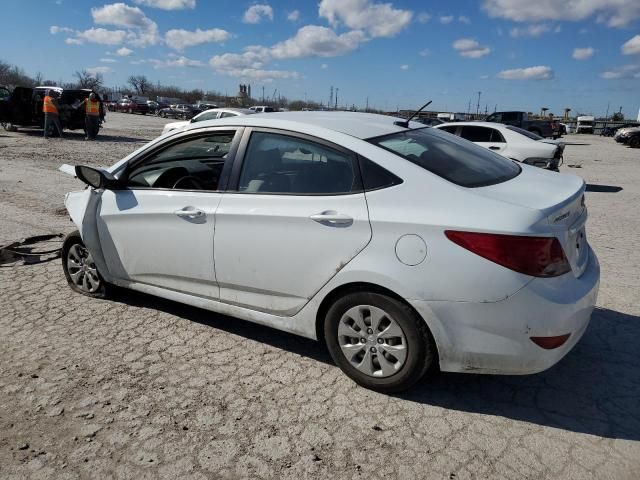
(276, 163)
(191, 164)
(227, 114)
(449, 157)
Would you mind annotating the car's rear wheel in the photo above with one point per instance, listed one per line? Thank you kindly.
(378, 341)
(79, 268)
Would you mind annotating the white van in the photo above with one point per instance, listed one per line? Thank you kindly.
(585, 124)
(262, 109)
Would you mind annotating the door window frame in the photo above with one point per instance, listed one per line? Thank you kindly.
(185, 137)
(240, 155)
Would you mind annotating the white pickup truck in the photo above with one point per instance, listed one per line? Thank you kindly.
(585, 124)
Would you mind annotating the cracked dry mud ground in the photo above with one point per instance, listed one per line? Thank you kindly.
(139, 387)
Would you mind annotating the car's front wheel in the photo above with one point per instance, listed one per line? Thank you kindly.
(80, 269)
(378, 341)
(634, 142)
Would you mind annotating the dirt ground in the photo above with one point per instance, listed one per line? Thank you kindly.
(139, 387)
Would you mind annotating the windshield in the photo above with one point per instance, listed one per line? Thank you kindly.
(526, 133)
(450, 157)
(585, 122)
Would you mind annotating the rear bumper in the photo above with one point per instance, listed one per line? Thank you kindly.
(495, 337)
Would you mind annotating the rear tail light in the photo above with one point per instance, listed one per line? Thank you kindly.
(549, 343)
(535, 256)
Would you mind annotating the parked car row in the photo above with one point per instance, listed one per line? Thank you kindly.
(628, 136)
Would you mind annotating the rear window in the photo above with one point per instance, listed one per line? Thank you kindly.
(526, 133)
(450, 157)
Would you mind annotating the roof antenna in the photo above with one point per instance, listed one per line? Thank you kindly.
(405, 123)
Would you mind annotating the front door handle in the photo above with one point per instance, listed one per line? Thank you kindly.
(493, 147)
(331, 218)
(190, 212)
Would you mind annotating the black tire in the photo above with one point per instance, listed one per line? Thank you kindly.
(74, 240)
(634, 142)
(421, 351)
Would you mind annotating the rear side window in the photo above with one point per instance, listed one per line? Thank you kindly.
(450, 157)
(375, 177)
(284, 164)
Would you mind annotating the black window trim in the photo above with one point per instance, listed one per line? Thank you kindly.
(242, 150)
(187, 136)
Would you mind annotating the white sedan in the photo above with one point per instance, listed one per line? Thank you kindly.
(211, 114)
(511, 142)
(402, 247)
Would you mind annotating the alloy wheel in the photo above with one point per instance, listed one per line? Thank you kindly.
(372, 341)
(82, 269)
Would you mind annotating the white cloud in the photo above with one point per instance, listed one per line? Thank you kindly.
(177, 61)
(324, 66)
(124, 52)
(101, 36)
(615, 13)
(446, 19)
(108, 60)
(53, 29)
(179, 39)
(425, 52)
(583, 53)
(73, 41)
(423, 17)
(530, 73)
(256, 13)
(168, 4)
(464, 19)
(404, 67)
(530, 31)
(470, 48)
(626, 71)
(143, 31)
(377, 19)
(93, 71)
(632, 46)
(293, 16)
(316, 41)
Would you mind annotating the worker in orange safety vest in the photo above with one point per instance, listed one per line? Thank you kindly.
(92, 116)
(50, 110)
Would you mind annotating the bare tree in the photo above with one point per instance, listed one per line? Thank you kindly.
(14, 76)
(93, 81)
(140, 84)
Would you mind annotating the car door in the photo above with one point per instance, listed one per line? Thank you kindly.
(486, 137)
(158, 229)
(296, 214)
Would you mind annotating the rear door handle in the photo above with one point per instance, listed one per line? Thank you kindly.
(493, 147)
(331, 218)
(190, 212)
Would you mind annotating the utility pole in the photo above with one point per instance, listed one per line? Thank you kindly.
(330, 98)
(337, 89)
(367, 107)
(262, 93)
(478, 105)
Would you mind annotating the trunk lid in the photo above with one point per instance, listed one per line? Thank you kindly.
(560, 199)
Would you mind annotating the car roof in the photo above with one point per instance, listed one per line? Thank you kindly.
(355, 124)
(474, 124)
(246, 111)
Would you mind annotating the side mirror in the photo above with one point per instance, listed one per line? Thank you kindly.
(95, 177)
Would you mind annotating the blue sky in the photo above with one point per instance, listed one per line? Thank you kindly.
(521, 54)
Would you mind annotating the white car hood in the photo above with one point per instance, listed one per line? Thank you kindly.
(535, 188)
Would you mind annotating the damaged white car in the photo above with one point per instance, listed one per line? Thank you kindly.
(402, 247)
